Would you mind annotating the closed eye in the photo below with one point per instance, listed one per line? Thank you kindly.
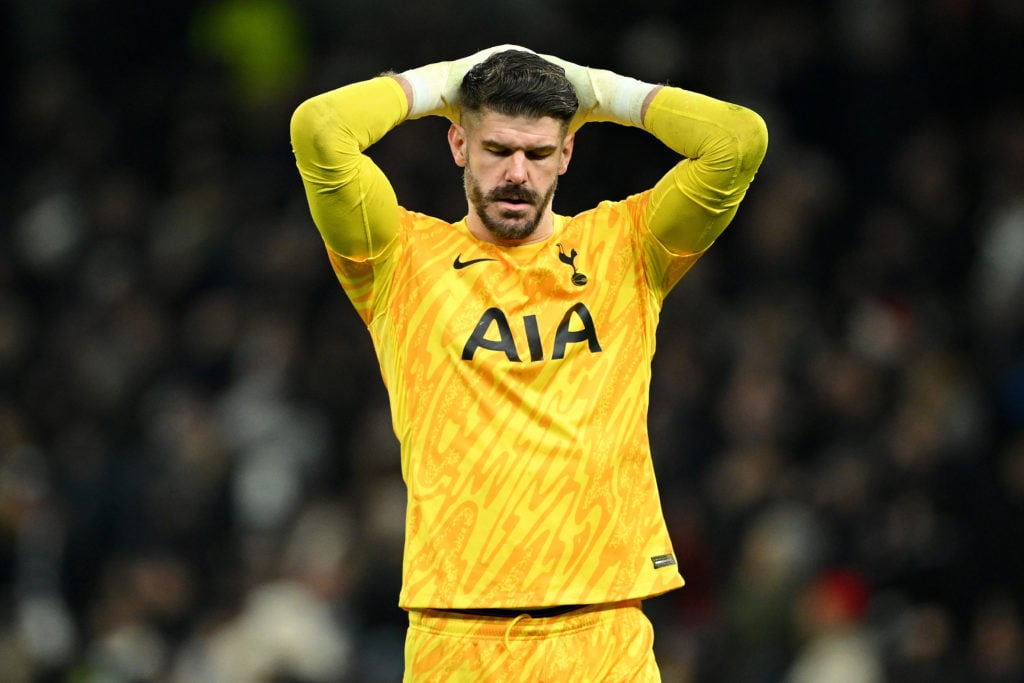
(533, 153)
(499, 151)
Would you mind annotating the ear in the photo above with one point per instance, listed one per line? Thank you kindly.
(567, 145)
(457, 143)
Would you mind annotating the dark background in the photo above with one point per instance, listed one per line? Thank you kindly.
(198, 481)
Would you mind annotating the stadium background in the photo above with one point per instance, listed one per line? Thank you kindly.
(197, 476)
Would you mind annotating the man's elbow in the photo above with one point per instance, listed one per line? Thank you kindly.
(307, 125)
(752, 134)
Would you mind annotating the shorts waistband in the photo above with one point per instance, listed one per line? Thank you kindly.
(524, 623)
(533, 613)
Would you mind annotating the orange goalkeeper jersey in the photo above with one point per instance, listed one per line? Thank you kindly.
(518, 376)
(519, 382)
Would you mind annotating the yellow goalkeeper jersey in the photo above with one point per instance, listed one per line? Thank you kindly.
(518, 376)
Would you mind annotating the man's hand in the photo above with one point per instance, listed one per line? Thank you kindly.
(433, 90)
(605, 95)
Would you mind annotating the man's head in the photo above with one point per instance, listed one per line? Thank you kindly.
(513, 142)
(518, 83)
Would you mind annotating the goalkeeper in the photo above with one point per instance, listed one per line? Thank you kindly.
(516, 346)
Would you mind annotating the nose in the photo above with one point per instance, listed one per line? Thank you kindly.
(515, 170)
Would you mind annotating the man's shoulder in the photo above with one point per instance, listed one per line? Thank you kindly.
(613, 210)
(423, 233)
(417, 221)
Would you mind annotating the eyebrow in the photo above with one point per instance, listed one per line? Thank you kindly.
(542, 149)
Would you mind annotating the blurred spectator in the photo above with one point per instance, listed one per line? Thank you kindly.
(997, 642)
(836, 645)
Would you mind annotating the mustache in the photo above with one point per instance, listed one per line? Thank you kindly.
(513, 193)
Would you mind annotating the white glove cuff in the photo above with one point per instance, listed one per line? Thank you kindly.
(427, 84)
(620, 98)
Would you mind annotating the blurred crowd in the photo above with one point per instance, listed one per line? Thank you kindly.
(198, 478)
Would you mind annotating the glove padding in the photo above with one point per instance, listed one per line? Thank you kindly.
(435, 87)
(604, 95)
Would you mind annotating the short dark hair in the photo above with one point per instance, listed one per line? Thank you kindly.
(519, 83)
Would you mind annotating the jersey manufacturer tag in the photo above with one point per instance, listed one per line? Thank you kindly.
(660, 561)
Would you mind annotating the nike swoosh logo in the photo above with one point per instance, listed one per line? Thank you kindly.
(459, 264)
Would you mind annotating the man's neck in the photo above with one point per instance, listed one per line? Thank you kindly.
(544, 230)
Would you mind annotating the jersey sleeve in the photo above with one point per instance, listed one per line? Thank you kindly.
(723, 145)
(351, 201)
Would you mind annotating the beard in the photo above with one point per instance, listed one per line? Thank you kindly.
(503, 222)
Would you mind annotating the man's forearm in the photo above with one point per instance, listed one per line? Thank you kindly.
(723, 145)
(406, 88)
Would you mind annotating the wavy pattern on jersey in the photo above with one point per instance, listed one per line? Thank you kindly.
(530, 481)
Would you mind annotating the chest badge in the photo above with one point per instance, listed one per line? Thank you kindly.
(578, 278)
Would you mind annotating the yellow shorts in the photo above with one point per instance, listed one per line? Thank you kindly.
(612, 642)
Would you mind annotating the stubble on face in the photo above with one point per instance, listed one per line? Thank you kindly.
(502, 221)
